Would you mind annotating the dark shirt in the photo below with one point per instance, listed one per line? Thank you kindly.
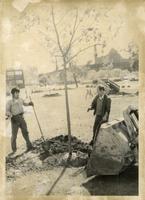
(106, 105)
(99, 105)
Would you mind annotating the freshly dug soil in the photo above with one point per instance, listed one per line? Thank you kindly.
(46, 155)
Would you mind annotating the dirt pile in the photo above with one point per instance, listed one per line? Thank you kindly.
(60, 144)
(47, 155)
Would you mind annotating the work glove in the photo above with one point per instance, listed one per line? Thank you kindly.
(31, 103)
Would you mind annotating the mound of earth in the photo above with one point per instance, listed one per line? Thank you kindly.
(47, 155)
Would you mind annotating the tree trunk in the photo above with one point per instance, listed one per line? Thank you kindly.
(74, 75)
(67, 108)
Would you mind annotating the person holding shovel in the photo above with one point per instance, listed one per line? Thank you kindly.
(14, 110)
(101, 105)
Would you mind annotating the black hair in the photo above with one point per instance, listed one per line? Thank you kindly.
(14, 90)
(101, 88)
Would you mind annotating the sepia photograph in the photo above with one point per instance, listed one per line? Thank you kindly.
(72, 99)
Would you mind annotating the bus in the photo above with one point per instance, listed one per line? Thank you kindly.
(14, 78)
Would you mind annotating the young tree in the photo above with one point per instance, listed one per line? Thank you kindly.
(67, 57)
(133, 52)
(76, 31)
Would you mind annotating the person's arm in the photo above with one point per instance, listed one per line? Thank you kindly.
(108, 107)
(8, 110)
(93, 105)
(28, 104)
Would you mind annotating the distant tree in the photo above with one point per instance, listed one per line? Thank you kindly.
(134, 56)
(43, 80)
(135, 62)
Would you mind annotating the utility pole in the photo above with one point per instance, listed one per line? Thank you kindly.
(95, 54)
(95, 49)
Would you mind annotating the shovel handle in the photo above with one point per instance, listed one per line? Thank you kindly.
(37, 120)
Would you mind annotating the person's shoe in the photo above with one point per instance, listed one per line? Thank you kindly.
(132, 145)
(12, 153)
(91, 143)
(30, 148)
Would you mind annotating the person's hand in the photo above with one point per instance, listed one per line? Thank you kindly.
(8, 117)
(88, 109)
(105, 118)
(31, 103)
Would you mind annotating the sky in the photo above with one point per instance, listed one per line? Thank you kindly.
(26, 27)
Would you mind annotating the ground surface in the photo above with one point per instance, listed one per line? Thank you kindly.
(52, 117)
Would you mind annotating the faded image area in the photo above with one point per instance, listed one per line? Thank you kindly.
(72, 99)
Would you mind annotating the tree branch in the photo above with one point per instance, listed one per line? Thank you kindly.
(73, 33)
(46, 35)
(80, 51)
(59, 22)
(56, 31)
(77, 40)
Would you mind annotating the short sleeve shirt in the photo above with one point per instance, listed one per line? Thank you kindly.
(14, 107)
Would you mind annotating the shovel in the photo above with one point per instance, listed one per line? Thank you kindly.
(46, 144)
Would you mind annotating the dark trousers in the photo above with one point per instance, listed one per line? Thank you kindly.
(19, 122)
(96, 127)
